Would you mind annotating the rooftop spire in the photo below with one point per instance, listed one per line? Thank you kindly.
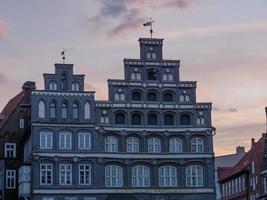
(63, 56)
(149, 23)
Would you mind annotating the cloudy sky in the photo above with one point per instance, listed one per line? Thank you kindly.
(221, 43)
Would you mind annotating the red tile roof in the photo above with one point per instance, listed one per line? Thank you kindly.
(11, 105)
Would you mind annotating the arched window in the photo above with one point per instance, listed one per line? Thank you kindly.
(194, 176)
(176, 145)
(64, 82)
(87, 112)
(111, 144)
(136, 119)
(119, 96)
(132, 144)
(135, 76)
(167, 176)
(168, 120)
(140, 176)
(104, 118)
(152, 119)
(151, 96)
(148, 55)
(151, 75)
(138, 76)
(200, 121)
(184, 98)
(64, 111)
(197, 145)
(119, 118)
(136, 96)
(75, 86)
(154, 145)
(185, 119)
(75, 111)
(113, 176)
(154, 55)
(167, 77)
(41, 109)
(168, 97)
(170, 77)
(52, 85)
(52, 110)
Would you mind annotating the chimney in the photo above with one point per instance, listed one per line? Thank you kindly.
(240, 150)
(28, 87)
(252, 142)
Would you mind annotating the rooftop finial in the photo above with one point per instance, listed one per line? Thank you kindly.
(149, 23)
(63, 56)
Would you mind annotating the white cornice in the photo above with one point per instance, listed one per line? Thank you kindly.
(74, 94)
(87, 125)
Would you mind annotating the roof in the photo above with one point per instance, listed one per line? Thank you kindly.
(12, 104)
(256, 154)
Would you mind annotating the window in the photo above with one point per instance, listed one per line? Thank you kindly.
(71, 198)
(151, 96)
(151, 55)
(168, 97)
(200, 121)
(185, 119)
(46, 140)
(104, 118)
(75, 111)
(167, 176)
(140, 176)
(63, 82)
(168, 120)
(136, 119)
(184, 98)
(197, 145)
(119, 118)
(64, 111)
(152, 119)
(176, 145)
(167, 77)
(87, 110)
(151, 75)
(46, 174)
(119, 96)
(75, 86)
(154, 145)
(132, 144)
(10, 150)
(65, 171)
(113, 176)
(135, 76)
(85, 174)
(84, 140)
(194, 176)
(10, 179)
(111, 144)
(41, 109)
(65, 140)
(21, 123)
(136, 96)
(52, 85)
(52, 110)
(48, 198)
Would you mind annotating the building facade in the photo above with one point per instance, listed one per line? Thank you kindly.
(150, 140)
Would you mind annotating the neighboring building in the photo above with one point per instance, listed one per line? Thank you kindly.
(245, 180)
(149, 140)
(226, 161)
(14, 129)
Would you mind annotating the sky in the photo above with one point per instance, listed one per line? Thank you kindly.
(222, 44)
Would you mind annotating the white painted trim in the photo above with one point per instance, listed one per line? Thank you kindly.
(128, 155)
(157, 129)
(128, 191)
(63, 125)
(70, 93)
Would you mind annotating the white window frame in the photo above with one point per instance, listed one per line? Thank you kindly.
(167, 176)
(10, 179)
(84, 140)
(175, 145)
(194, 176)
(154, 145)
(41, 109)
(197, 145)
(111, 144)
(70, 198)
(85, 171)
(52, 85)
(140, 176)
(65, 174)
(87, 110)
(10, 150)
(132, 144)
(46, 144)
(21, 123)
(75, 86)
(48, 198)
(113, 176)
(64, 144)
(45, 169)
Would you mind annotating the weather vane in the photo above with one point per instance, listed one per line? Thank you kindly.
(63, 56)
(149, 23)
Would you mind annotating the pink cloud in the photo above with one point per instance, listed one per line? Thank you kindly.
(3, 29)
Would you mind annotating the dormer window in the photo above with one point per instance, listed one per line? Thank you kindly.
(64, 82)
(52, 85)
(75, 86)
(151, 75)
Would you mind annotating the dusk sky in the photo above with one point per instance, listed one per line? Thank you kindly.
(222, 44)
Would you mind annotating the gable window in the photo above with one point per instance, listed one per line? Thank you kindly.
(168, 97)
(41, 109)
(65, 140)
(119, 118)
(65, 174)
(151, 55)
(46, 174)
(75, 111)
(113, 176)
(194, 176)
(151, 96)
(151, 75)
(176, 145)
(167, 176)
(132, 144)
(84, 139)
(75, 86)
(10, 150)
(87, 112)
(64, 111)
(52, 110)
(154, 145)
(185, 119)
(46, 140)
(140, 176)
(52, 85)
(197, 145)
(168, 120)
(84, 174)
(63, 82)
(111, 144)
(10, 179)
(136, 119)
(152, 119)
(136, 96)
